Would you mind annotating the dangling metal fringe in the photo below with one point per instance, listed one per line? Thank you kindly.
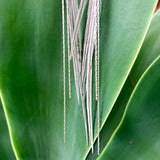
(82, 65)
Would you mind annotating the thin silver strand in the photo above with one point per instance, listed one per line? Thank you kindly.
(98, 44)
(87, 37)
(89, 75)
(96, 53)
(64, 78)
(69, 70)
(77, 22)
(78, 40)
(74, 68)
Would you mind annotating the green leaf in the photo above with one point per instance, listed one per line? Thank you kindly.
(6, 151)
(150, 49)
(31, 76)
(137, 137)
(149, 52)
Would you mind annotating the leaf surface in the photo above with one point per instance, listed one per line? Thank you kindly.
(6, 151)
(31, 75)
(137, 136)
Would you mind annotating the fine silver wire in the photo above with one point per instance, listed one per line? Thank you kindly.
(71, 22)
(87, 36)
(92, 34)
(64, 78)
(69, 68)
(77, 22)
(98, 46)
(78, 40)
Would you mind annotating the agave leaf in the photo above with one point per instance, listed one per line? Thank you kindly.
(149, 52)
(137, 136)
(6, 151)
(31, 76)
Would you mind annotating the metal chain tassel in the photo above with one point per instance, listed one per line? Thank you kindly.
(82, 62)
